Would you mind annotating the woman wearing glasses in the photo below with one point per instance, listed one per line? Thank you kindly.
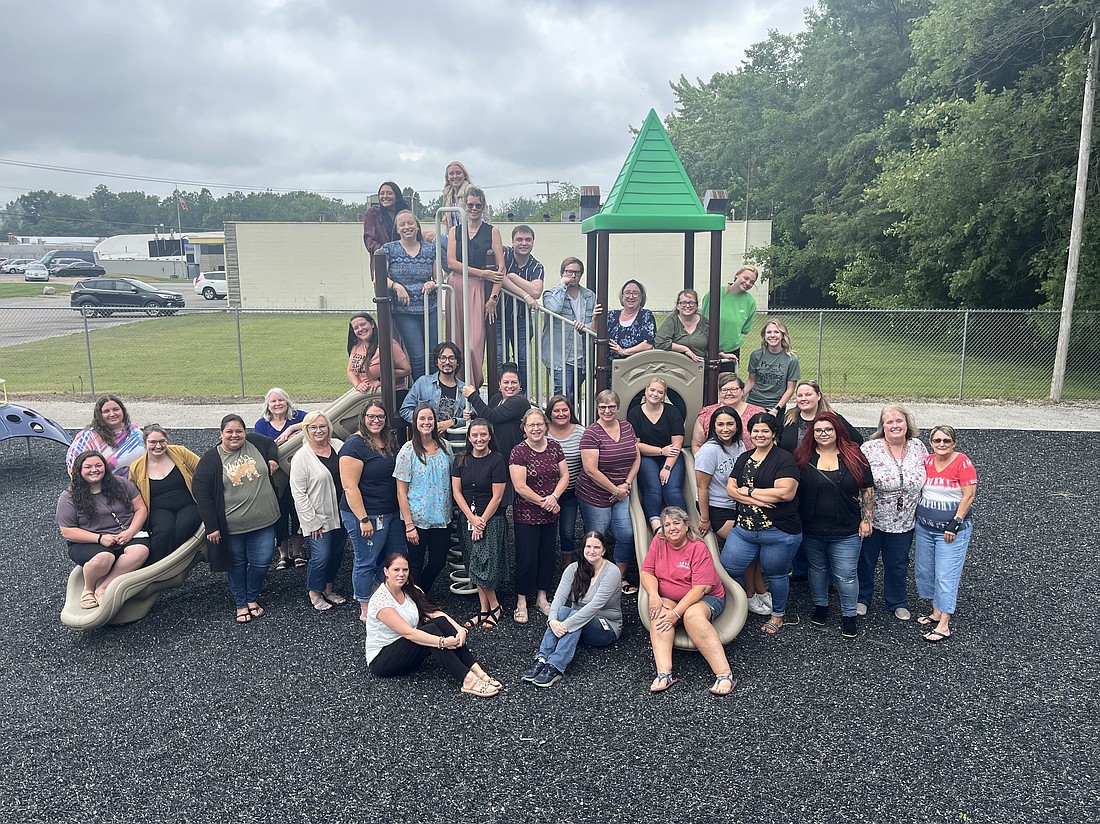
(731, 393)
(633, 328)
(368, 507)
(485, 284)
(163, 477)
(944, 527)
(315, 485)
(896, 455)
(610, 461)
(685, 331)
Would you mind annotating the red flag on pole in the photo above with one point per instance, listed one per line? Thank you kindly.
(183, 204)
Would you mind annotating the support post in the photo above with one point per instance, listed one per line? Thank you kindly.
(689, 260)
(710, 390)
(385, 334)
(602, 372)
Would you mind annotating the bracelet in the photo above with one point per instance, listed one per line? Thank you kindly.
(678, 615)
(99, 540)
(955, 525)
(410, 529)
(441, 643)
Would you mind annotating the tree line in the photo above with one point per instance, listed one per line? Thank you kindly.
(911, 153)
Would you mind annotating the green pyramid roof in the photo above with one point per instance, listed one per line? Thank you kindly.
(652, 192)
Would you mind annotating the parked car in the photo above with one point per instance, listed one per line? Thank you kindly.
(59, 263)
(211, 285)
(36, 271)
(104, 296)
(78, 269)
(71, 254)
(16, 267)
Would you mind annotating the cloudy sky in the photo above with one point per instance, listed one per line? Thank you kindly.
(336, 96)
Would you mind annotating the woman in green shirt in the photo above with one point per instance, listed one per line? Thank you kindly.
(685, 331)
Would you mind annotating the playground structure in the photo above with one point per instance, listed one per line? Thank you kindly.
(652, 193)
(18, 421)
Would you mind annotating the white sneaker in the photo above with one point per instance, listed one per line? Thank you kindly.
(861, 609)
(766, 599)
(902, 614)
(757, 607)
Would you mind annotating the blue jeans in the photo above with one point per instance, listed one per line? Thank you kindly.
(774, 548)
(325, 555)
(656, 496)
(369, 552)
(564, 384)
(839, 554)
(939, 566)
(411, 329)
(514, 348)
(249, 556)
(894, 548)
(567, 522)
(800, 567)
(558, 652)
(615, 518)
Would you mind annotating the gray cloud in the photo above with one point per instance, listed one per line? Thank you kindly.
(339, 95)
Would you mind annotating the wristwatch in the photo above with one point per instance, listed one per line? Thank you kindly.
(365, 520)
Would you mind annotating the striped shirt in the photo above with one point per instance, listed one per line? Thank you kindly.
(616, 459)
(943, 491)
(571, 446)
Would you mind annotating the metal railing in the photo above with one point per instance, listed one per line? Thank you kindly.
(234, 353)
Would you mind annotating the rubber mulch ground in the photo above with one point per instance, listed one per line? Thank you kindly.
(187, 717)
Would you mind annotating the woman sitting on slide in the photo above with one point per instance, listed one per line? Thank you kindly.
(364, 359)
(101, 515)
(404, 628)
(111, 434)
(163, 478)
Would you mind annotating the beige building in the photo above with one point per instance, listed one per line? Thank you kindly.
(325, 265)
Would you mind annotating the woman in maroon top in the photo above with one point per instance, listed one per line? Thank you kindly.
(539, 476)
(609, 464)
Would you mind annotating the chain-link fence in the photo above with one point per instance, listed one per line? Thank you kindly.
(233, 353)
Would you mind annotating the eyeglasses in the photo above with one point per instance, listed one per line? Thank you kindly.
(943, 440)
(829, 431)
(687, 303)
(536, 425)
(632, 294)
(317, 427)
(577, 272)
(156, 443)
(725, 391)
(607, 407)
(475, 205)
(447, 359)
(375, 417)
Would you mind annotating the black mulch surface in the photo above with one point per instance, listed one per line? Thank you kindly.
(186, 716)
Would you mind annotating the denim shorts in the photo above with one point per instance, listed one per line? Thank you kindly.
(717, 605)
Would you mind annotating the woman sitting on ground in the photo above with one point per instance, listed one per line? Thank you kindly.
(163, 478)
(280, 421)
(101, 516)
(586, 607)
(316, 487)
(365, 360)
(404, 628)
(111, 434)
(683, 587)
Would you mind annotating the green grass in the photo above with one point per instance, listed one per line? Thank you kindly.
(26, 290)
(194, 356)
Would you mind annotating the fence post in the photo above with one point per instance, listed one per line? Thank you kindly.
(820, 333)
(88, 348)
(962, 361)
(240, 349)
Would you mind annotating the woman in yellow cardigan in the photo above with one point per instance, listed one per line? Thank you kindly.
(163, 477)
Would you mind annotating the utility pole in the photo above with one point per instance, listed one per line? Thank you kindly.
(547, 182)
(1069, 293)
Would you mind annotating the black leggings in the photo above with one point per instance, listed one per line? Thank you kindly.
(433, 544)
(169, 530)
(403, 656)
(536, 555)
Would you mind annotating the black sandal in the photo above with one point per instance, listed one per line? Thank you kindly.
(489, 619)
(284, 563)
(476, 620)
(300, 561)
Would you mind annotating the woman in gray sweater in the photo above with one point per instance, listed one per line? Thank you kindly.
(586, 607)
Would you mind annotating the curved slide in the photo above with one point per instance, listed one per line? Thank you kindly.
(130, 597)
(730, 623)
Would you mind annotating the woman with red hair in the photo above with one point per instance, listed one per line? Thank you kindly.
(836, 497)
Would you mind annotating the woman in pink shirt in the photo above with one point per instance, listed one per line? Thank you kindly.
(683, 586)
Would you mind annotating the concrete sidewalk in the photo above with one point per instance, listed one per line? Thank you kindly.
(1072, 417)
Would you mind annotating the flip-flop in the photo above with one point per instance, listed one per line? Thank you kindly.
(88, 601)
(662, 682)
(724, 679)
(320, 604)
(928, 620)
(629, 589)
(935, 636)
(256, 611)
(244, 617)
(334, 599)
(520, 615)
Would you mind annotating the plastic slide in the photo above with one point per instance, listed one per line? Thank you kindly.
(130, 597)
(730, 623)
